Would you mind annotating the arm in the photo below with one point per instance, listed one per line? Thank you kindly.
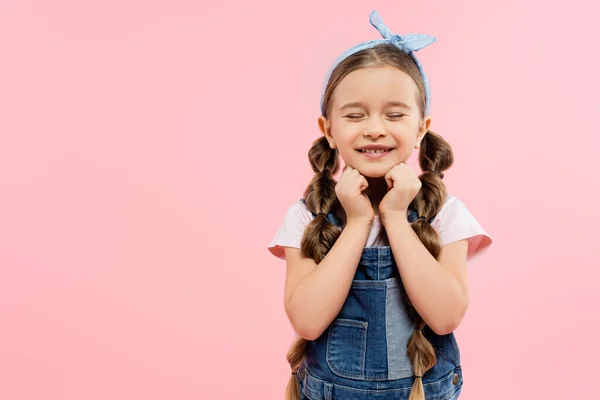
(314, 294)
(437, 288)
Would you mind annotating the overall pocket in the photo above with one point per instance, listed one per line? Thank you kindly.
(347, 348)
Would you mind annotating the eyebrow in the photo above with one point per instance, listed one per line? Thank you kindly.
(388, 104)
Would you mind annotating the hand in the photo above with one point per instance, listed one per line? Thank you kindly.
(349, 191)
(403, 186)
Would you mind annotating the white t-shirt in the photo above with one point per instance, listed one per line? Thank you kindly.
(454, 222)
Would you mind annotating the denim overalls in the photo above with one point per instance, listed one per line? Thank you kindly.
(363, 352)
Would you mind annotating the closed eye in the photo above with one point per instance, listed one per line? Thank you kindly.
(359, 116)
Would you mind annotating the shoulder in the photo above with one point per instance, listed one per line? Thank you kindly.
(291, 229)
(298, 213)
(455, 222)
(452, 207)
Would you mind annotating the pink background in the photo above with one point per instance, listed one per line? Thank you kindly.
(149, 150)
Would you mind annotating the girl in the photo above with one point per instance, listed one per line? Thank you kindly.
(376, 262)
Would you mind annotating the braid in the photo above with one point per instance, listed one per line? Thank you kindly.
(435, 157)
(319, 234)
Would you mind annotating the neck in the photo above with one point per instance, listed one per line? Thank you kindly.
(376, 191)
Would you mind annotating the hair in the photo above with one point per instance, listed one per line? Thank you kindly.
(435, 156)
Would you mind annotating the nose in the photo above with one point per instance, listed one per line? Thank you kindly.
(375, 129)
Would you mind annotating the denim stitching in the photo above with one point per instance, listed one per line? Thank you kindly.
(376, 391)
(353, 324)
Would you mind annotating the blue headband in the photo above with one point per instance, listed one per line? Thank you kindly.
(408, 44)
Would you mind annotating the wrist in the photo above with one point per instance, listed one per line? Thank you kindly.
(359, 222)
(394, 217)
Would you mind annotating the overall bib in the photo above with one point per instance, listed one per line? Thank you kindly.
(363, 352)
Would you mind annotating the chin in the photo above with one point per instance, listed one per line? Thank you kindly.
(377, 170)
(374, 172)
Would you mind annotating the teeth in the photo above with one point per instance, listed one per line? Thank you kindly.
(373, 151)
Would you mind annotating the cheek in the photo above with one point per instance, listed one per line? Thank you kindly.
(406, 137)
(408, 132)
(346, 135)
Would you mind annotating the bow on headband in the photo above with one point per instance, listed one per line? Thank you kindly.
(408, 44)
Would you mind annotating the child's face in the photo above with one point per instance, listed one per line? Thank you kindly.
(375, 106)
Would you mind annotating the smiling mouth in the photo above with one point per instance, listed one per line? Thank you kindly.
(373, 151)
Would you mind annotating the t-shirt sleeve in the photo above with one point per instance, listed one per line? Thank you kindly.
(457, 223)
(291, 230)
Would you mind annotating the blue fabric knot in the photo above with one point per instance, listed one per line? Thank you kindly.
(406, 43)
(399, 42)
(412, 42)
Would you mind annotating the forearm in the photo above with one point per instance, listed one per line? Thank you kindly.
(434, 292)
(319, 297)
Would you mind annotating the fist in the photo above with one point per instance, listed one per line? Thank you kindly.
(403, 185)
(349, 191)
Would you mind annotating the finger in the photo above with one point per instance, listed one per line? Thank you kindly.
(364, 183)
(389, 179)
(350, 169)
(345, 172)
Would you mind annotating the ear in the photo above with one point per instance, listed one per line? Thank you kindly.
(325, 127)
(423, 128)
